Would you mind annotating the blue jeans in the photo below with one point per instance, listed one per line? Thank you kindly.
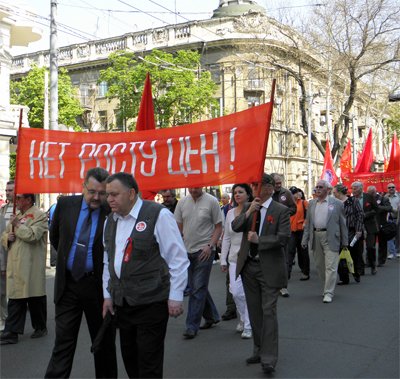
(200, 300)
(392, 247)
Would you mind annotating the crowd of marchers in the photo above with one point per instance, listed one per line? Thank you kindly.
(127, 263)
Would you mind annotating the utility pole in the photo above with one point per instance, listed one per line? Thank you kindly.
(53, 68)
(51, 198)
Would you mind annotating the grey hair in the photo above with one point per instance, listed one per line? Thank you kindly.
(325, 183)
(357, 184)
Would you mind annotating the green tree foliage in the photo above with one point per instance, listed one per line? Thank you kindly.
(182, 92)
(29, 91)
(393, 121)
(12, 165)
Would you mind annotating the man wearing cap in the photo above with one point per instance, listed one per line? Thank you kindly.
(262, 266)
(325, 232)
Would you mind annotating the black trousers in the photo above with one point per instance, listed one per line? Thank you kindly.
(17, 308)
(302, 254)
(356, 255)
(382, 248)
(370, 242)
(142, 332)
(230, 303)
(78, 298)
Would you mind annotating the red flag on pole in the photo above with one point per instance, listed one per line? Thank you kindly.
(394, 160)
(367, 156)
(345, 160)
(328, 171)
(145, 121)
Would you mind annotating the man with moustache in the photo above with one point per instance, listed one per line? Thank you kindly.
(76, 233)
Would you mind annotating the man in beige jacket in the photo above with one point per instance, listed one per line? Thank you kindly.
(25, 240)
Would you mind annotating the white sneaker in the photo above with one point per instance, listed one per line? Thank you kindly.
(284, 292)
(327, 299)
(247, 334)
(397, 255)
(240, 327)
(390, 256)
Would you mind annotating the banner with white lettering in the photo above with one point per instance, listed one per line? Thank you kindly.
(224, 150)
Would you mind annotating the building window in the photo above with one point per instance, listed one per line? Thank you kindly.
(254, 80)
(103, 120)
(84, 94)
(103, 88)
(252, 99)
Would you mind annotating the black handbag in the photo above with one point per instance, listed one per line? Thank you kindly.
(388, 229)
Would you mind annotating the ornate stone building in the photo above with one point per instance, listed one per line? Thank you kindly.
(240, 46)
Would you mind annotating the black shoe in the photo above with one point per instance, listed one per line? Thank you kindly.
(305, 277)
(357, 278)
(209, 324)
(268, 369)
(342, 283)
(253, 359)
(228, 316)
(39, 333)
(8, 338)
(373, 271)
(189, 334)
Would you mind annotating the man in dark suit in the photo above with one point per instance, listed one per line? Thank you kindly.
(370, 208)
(262, 266)
(78, 287)
(384, 207)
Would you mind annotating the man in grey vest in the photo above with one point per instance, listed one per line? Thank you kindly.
(145, 274)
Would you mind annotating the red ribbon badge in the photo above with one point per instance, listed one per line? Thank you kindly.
(128, 250)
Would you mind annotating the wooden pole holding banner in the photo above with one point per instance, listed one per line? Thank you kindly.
(269, 118)
(21, 112)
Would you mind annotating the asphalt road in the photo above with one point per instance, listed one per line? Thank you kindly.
(356, 336)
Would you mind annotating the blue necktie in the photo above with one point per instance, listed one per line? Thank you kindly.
(79, 264)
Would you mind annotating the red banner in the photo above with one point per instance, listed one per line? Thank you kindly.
(224, 150)
(378, 179)
(328, 171)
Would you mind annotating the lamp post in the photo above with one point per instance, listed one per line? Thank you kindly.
(310, 99)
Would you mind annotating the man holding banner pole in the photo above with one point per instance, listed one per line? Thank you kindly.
(262, 266)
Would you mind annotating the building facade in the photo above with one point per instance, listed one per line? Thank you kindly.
(243, 49)
(14, 31)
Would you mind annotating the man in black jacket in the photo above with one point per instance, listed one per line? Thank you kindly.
(384, 207)
(78, 293)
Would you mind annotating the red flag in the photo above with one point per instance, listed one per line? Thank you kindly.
(328, 171)
(345, 160)
(367, 156)
(394, 160)
(145, 121)
(385, 164)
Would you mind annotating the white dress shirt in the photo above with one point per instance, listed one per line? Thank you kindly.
(170, 242)
(263, 213)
